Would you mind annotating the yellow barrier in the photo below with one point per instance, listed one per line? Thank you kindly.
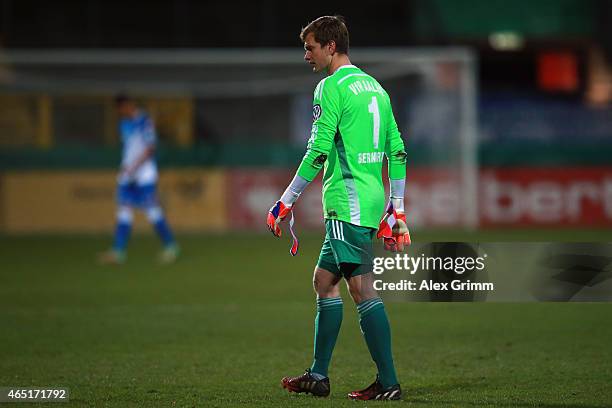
(84, 201)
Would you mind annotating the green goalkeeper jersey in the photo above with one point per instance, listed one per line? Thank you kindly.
(353, 129)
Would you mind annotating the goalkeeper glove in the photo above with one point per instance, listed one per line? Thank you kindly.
(393, 230)
(278, 213)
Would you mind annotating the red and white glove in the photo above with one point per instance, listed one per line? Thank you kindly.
(278, 213)
(393, 229)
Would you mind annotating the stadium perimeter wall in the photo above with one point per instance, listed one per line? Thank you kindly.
(84, 201)
(36, 201)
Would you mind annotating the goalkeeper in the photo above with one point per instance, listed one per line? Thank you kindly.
(353, 129)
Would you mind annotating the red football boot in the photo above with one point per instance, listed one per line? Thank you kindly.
(308, 384)
(375, 391)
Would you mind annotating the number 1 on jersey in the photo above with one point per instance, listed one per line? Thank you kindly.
(373, 109)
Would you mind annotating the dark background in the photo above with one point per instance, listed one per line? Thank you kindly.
(566, 24)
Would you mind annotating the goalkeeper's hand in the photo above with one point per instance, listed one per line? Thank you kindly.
(277, 213)
(393, 230)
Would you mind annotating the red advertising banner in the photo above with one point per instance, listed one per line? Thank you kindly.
(564, 197)
(580, 197)
(253, 191)
(541, 197)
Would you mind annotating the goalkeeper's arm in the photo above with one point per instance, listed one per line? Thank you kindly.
(294, 190)
(396, 196)
(396, 157)
(393, 227)
(283, 207)
(320, 144)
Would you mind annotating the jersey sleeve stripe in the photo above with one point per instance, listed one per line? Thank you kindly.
(319, 90)
(316, 91)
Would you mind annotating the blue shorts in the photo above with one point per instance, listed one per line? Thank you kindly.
(134, 195)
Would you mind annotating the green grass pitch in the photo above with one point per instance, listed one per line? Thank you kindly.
(235, 314)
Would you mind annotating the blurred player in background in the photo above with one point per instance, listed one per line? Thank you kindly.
(137, 182)
(353, 129)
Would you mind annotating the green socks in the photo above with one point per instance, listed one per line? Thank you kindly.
(375, 328)
(377, 333)
(327, 327)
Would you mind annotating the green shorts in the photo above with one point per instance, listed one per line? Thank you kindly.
(349, 244)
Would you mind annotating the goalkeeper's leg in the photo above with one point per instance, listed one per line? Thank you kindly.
(327, 327)
(374, 325)
(328, 320)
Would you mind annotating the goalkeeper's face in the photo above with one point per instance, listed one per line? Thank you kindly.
(319, 57)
